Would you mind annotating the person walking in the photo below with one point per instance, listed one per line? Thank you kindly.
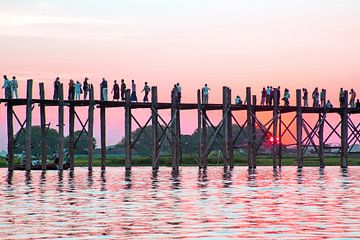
(286, 97)
(133, 97)
(306, 97)
(205, 94)
(322, 97)
(71, 90)
(271, 96)
(14, 87)
(86, 87)
(178, 89)
(7, 87)
(103, 89)
(122, 89)
(56, 89)
(263, 97)
(342, 97)
(315, 97)
(268, 92)
(352, 98)
(115, 91)
(146, 89)
(78, 90)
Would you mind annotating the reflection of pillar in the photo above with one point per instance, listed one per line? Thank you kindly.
(103, 135)
(90, 140)
(127, 130)
(275, 126)
(299, 152)
(344, 132)
(154, 123)
(42, 126)
(28, 124)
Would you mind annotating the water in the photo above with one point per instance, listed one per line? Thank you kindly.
(311, 204)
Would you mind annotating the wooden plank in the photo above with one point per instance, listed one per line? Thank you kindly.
(28, 124)
(275, 126)
(90, 135)
(61, 127)
(103, 136)
(154, 123)
(127, 131)
(344, 133)
(10, 136)
(299, 152)
(71, 134)
(43, 127)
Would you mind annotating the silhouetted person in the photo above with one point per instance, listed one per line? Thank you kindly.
(268, 92)
(77, 90)
(71, 90)
(178, 89)
(86, 87)
(133, 97)
(56, 89)
(322, 97)
(315, 96)
(14, 87)
(103, 88)
(306, 97)
(116, 91)
(286, 97)
(146, 89)
(279, 95)
(238, 100)
(357, 103)
(7, 87)
(352, 94)
(205, 94)
(263, 97)
(271, 96)
(123, 89)
(342, 97)
(174, 94)
(328, 105)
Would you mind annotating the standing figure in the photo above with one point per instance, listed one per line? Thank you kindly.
(238, 100)
(279, 95)
(174, 94)
(122, 89)
(205, 94)
(77, 90)
(103, 89)
(268, 96)
(271, 97)
(71, 91)
(7, 87)
(146, 89)
(133, 97)
(315, 97)
(178, 89)
(342, 97)
(14, 87)
(352, 98)
(56, 89)
(116, 91)
(322, 97)
(86, 87)
(306, 97)
(286, 97)
(263, 97)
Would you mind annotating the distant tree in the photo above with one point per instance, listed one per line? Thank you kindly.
(81, 146)
(51, 141)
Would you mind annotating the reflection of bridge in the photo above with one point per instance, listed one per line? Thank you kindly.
(306, 135)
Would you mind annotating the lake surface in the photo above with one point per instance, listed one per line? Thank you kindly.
(266, 204)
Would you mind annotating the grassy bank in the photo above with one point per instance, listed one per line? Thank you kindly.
(190, 160)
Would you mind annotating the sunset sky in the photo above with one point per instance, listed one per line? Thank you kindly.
(238, 43)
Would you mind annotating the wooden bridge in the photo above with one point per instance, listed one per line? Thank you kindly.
(162, 130)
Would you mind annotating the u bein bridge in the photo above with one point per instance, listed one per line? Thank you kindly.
(306, 136)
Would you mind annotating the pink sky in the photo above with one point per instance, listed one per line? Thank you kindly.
(293, 44)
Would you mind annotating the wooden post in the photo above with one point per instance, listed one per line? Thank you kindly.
(225, 128)
(280, 141)
(230, 133)
(71, 134)
(178, 136)
(43, 127)
(103, 135)
(127, 131)
(321, 138)
(275, 123)
(10, 135)
(174, 153)
(344, 132)
(61, 127)
(154, 123)
(253, 120)
(249, 128)
(28, 124)
(200, 147)
(90, 138)
(299, 151)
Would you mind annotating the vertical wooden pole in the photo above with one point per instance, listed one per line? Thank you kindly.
(299, 152)
(344, 132)
(253, 152)
(204, 137)
(10, 135)
(200, 152)
(71, 134)
(174, 154)
(321, 139)
(90, 140)
(280, 141)
(275, 126)
(230, 133)
(178, 136)
(225, 128)
(28, 124)
(127, 131)
(154, 123)
(249, 128)
(43, 127)
(61, 127)
(103, 135)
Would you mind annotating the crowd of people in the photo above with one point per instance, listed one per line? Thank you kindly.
(268, 94)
